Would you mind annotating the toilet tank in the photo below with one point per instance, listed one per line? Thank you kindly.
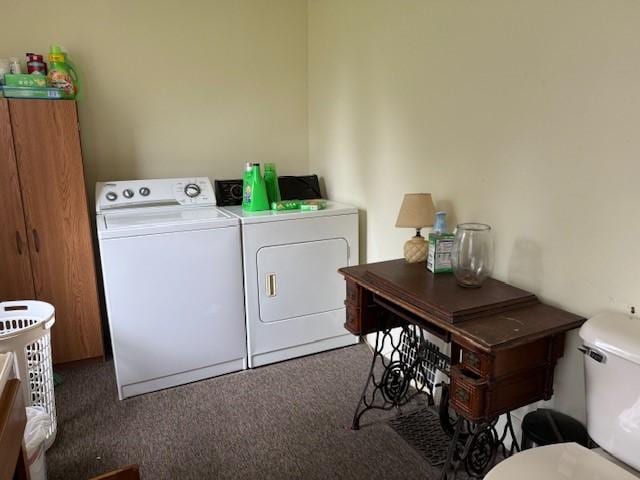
(612, 368)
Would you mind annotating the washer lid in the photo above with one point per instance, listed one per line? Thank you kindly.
(163, 216)
(562, 461)
(616, 333)
(150, 221)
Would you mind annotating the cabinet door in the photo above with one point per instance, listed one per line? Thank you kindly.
(47, 144)
(16, 282)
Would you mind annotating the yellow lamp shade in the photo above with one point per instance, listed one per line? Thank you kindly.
(417, 211)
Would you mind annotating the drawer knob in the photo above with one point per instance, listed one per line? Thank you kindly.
(472, 359)
(462, 395)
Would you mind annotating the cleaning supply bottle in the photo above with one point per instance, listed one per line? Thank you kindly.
(246, 184)
(14, 66)
(271, 182)
(35, 64)
(257, 199)
(61, 73)
(440, 225)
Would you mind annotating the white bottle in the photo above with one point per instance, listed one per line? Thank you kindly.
(4, 68)
(14, 66)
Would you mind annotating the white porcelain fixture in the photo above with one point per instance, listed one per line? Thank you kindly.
(172, 271)
(294, 295)
(566, 461)
(611, 345)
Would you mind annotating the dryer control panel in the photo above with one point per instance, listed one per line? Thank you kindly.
(156, 192)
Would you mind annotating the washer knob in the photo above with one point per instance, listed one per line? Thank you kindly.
(111, 196)
(144, 191)
(128, 193)
(192, 190)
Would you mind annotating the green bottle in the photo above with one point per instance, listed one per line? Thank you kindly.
(271, 182)
(246, 185)
(61, 74)
(255, 193)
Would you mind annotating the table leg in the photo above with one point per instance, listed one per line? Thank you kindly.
(388, 383)
(474, 445)
(362, 406)
(508, 430)
(451, 454)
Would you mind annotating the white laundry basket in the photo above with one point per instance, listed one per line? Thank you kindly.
(25, 330)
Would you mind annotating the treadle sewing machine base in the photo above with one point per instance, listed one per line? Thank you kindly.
(504, 348)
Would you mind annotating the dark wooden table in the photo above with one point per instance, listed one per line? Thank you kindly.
(505, 345)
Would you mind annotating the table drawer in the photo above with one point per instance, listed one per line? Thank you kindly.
(471, 396)
(353, 321)
(468, 393)
(363, 316)
(478, 363)
(507, 362)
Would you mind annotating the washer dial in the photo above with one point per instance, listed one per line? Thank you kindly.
(127, 193)
(192, 190)
(144, 191)
(111, 196)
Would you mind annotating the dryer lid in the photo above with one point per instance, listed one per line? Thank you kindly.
(332, 209)
(616, 333)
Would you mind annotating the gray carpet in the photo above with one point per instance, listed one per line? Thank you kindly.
(288, 420)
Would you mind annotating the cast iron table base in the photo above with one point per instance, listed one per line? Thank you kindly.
(397, 376)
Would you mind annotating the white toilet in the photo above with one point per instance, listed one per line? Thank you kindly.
(611, 344)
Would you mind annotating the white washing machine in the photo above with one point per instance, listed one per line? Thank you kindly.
(294, 295)
(172, 270)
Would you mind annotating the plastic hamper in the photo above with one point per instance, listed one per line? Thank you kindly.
(25, 330)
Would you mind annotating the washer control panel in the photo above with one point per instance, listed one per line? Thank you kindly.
(157, 192)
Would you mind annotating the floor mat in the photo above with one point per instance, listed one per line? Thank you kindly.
(421, 429)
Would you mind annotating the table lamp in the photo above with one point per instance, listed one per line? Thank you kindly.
(417, 211)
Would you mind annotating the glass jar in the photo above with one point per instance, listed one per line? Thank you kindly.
(472, 254)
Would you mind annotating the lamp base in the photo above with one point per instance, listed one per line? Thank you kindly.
(415, 249)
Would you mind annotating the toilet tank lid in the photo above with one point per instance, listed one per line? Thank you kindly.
(616, 333)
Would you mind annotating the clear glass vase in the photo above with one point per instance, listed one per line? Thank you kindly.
(472, 254)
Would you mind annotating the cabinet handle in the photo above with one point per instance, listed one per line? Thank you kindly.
(271, 285)
(36, 240)
(18, 243)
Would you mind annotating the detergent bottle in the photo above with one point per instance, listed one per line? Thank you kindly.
(61, 73)
(271, 182)
(255, 191)
(246, 185)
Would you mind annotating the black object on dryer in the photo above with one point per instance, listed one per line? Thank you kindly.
(228, 192)
(305, 187)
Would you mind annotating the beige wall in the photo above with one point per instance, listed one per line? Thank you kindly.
(524, 115)
(178, 88)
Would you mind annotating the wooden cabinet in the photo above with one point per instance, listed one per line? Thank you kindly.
(47, 252)
(16, 281)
